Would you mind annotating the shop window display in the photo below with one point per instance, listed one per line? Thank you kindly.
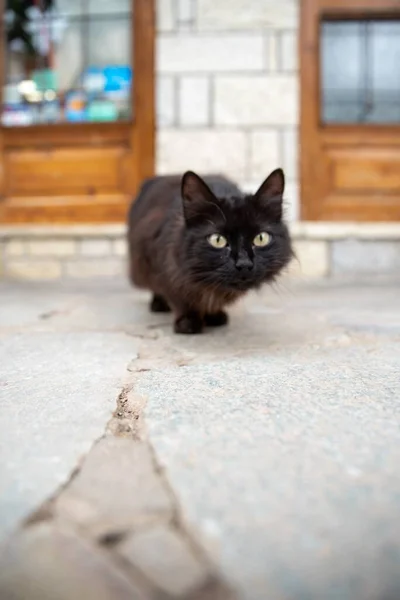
(67, 61)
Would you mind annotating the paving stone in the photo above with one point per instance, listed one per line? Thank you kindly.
(287, 463)
(117, 488)
(166, 558)
(58, 389)
(46, 563)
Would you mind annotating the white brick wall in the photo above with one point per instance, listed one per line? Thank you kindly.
(194, 106)
(166, 16)
(186, 13)
(202, 150)
(289, 51)
(166, 101)
(265, 156)
(247, 14)
(227, 89)
(256, 100)
(289, 146)
(210, 53)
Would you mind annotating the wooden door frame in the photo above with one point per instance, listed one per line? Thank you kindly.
(136, 136)
(313, 165)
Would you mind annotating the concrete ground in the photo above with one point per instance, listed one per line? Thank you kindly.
(260, 461)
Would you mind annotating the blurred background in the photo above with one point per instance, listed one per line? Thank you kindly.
(99, 95)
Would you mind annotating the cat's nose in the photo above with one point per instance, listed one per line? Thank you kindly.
(244, 264)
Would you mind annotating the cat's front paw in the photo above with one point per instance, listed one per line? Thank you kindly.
(216, 319)
(159, 305)
(188, 324)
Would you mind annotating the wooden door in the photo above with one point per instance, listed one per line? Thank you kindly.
(70, 172)
(350, 155)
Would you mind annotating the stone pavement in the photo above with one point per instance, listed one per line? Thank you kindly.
(260, 461)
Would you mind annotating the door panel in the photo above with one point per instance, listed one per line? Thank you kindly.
(84, 171)
(76, 171)
(366, 170)
(350, 114)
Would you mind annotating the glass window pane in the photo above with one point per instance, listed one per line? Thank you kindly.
(360, 71)
(69, 7)
(109, 7)
(68, 61)
(68, 57)
(109, 42)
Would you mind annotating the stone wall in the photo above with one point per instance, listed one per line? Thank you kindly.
(322, 250)
(227, 89)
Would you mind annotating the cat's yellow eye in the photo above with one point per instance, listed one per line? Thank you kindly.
(262, 239)
(217, 241)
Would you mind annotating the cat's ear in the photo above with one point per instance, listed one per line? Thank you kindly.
(269, 195)
(198, 199)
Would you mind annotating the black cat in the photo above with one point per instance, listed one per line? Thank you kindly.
(200, 244)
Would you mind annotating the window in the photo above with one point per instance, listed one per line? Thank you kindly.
(67, 61)
(360, 71)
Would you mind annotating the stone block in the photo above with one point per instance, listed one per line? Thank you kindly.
(353, 256)
(51, 247)
(247, 14)
(100, 267)
(47, 563)
(194, 100)
(312, 259)
(15, 247)
(166, 100)
(95, 247)
(33, 269)
(166, 18)
(210, 53)
(205, 151)
(289, 52)
(256, 100)
(116, 489)
(186, 11)
(264, 153)
(290, 153)
(120, 247)
(291, 202)
(166, 559)
(272, 50)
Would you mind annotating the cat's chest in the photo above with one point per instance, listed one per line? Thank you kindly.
(211, 302)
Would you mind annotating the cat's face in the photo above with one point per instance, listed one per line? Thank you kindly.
(236, 242)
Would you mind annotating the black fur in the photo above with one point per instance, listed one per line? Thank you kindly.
(239, 218)
(170, 224)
